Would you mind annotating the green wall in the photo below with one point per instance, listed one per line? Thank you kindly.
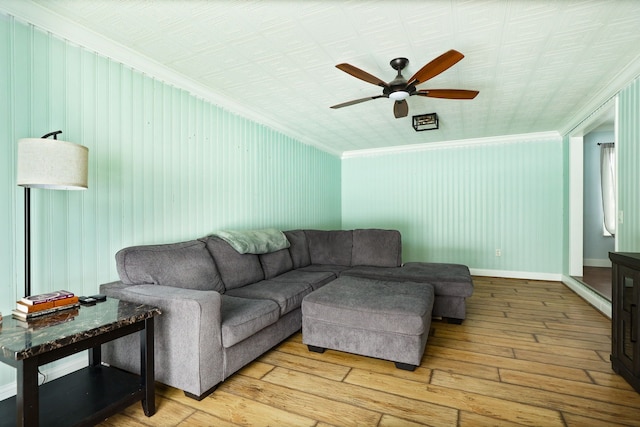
(163, 166)
(628, 147)
(460, 203)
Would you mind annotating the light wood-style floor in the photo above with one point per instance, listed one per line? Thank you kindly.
(530, 353)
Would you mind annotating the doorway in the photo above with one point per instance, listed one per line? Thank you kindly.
(604, 119)
(597, 240)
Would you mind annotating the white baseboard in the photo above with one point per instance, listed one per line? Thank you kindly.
(69, 365)
(596, 262)
(527, 275)
(595, 299)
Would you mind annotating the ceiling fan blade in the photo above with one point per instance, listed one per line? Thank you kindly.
(435, 67)
(362, 75)
(357, 101)
(400, 108)
(448, 93)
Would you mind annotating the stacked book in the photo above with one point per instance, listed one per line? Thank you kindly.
(39, 305)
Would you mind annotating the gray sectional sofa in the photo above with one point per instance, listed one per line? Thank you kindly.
(221, 309)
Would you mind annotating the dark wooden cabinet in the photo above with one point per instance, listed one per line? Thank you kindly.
(625, 322)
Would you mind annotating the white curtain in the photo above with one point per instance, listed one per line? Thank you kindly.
(608, 181)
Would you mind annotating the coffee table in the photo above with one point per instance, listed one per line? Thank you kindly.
(91, 394)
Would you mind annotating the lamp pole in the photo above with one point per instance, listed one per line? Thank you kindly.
(27, 228)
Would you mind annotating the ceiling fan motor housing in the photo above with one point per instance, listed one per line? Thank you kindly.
(398, 86)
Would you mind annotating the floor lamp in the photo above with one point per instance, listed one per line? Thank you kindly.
(50, 164)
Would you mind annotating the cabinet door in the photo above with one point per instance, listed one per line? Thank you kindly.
(628, 281)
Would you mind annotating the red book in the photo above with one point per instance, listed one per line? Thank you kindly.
(48, 297)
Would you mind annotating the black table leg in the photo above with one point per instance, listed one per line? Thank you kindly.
(95, 356)
(147, 373)
(27, 402)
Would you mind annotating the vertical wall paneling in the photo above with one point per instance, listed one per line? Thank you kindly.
(11, 206)
(164, 166)
(461, 203)
(628, 147)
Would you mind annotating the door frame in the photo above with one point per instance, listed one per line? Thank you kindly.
(576, 207)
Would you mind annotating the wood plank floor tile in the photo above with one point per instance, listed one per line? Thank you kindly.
(366, 397)
(553, 359)
(534, 396)
(579, 389)
(391, 421)
(462, 399)
(479, 347)
(257, 369)
(321, 368)
(516, 364)
(249, 412)
(470, 419)
(573, 420)
(203, 419)
(610, 379)
(476, 342)
(305, 404)
(457, 366)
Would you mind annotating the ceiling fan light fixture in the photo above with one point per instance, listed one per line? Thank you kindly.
(399, 95)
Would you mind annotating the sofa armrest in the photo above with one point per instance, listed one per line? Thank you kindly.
(168, 298)
(188, 338)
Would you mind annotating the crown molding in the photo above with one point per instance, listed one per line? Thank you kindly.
(492, 140)
(42, 18)
(603, 99)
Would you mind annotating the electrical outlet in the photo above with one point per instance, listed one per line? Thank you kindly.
(498, 252)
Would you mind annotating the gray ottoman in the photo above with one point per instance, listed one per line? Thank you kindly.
(376, 318)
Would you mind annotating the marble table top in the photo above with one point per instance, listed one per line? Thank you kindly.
(21, 339)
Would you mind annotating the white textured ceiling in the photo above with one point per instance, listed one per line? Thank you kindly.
(535, 63)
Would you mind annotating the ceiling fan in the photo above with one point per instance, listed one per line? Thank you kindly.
(399, 89)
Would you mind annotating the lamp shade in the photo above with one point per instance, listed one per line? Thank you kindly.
(52, 164)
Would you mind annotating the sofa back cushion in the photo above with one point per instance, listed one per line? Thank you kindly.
(330, 247)
(377, 248)
(236, 269)
(299, 248)
(185, 265)
(275, 263)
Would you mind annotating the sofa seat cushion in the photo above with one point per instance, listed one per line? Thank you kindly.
(447, 279)
(288, 295)
(186, 265)
(316, 279)
(243, 317)
(236, 269)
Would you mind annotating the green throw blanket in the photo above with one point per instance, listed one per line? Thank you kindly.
(255, 241)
